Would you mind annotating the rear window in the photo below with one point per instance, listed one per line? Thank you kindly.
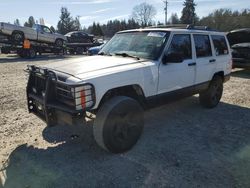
(220, 45)
(202, 46)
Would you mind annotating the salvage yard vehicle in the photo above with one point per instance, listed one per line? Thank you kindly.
(95, 50)
(240, 43)
(135, 69)
(38, 33)
(79, 36)
(79, 42)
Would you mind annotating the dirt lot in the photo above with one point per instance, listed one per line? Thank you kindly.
(183, 145)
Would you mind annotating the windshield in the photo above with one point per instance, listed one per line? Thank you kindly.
(143, 44)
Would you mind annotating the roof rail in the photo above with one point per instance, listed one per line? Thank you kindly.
(206, 28)
(179, 26)
(184, 26)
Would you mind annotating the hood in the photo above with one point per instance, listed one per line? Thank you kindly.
(94, 65)
(239, 36)
(61, 36)
(96, 47)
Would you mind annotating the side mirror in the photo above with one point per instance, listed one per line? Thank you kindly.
(174, 57)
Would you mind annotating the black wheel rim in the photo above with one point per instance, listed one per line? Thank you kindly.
(123, 129)
(79, 50)
(32, 53)
(18, 37)
(59, 43)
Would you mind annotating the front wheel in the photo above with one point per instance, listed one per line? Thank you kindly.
(79, 50)
(59, 43)
(31, 53)
(118, 124)
(211, 97)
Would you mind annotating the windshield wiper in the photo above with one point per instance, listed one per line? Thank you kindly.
(123, 54)
(103, 53)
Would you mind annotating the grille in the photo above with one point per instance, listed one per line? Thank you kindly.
(39, 85)
(64, 94)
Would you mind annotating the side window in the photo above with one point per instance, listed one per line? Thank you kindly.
(220, 45)
(181, 44)
(79, 35)
(84, 34)
(46, 29)
(202, 46)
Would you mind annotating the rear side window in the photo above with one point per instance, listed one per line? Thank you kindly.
(181, 44)
(202, 46)
(220, 45)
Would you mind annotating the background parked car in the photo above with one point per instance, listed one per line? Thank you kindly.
(79, 37)
(95, 50)
(240, 43)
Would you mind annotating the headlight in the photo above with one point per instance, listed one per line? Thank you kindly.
(84, 96)
(42, 71)
(79, 97)
(30, 67)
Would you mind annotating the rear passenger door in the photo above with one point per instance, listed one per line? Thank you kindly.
(221, 51)
(205, 60)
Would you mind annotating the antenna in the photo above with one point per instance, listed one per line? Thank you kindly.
(166, 11)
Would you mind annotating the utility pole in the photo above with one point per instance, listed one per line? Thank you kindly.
(166, 11)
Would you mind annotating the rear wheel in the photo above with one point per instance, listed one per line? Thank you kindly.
(118, 124)
(211, 97)
(80, 50)
(17, 36)
(31, 53)
(71, 52)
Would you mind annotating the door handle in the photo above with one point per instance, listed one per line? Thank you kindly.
(212, 60)
(192, 64)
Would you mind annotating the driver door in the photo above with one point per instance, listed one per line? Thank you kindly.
(46, 35)
(181, 73)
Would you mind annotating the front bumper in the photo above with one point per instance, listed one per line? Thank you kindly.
(46, 105)
(54, 113)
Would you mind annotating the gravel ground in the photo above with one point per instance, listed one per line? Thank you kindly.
(183, 145)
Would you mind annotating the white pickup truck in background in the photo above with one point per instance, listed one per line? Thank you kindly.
(38, 32)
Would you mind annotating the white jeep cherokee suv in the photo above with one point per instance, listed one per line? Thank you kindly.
(134, 69)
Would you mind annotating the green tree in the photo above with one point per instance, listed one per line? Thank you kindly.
(99, 30)
(76, 24)
(52, 29)
(144, 14)
(94, 29)
(17, 22)
(111, 27)
(159, 23)
(188, 12)
(226, 19)
(30, 22)
(174, 19)
(66, 22)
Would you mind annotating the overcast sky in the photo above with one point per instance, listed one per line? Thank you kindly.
(102, 10)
